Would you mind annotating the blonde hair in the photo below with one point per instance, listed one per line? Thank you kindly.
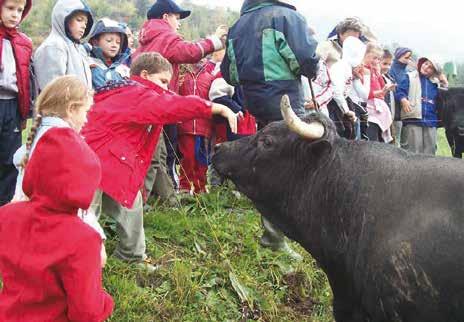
(55, 100)
(372, 47)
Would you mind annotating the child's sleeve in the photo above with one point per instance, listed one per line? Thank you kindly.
(402, 90)
(49, 63)
(180, 51)
(82, 281)
(168, 108)
(338, 82)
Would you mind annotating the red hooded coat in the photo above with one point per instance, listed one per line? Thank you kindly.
(22, 48)
(50, 260)
(124, 126)
(157, 35)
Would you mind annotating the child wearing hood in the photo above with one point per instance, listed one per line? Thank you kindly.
(417, 94)
(15, 91)
(62, 52)
(50, 260)
(109, 43)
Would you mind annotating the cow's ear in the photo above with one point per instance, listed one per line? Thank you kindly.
(320, 148)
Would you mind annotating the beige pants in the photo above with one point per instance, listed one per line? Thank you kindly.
(420, 139)
(129, 225)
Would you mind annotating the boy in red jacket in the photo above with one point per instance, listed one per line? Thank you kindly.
(50, 259)
(15, 57)
(160, 33)
(123, 129)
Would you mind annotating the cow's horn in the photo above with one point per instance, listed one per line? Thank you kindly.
(312, 131)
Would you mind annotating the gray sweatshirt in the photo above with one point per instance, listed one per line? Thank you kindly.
(59, 55)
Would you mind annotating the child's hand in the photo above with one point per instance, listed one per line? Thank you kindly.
(221, 31)
(406, 105)
(389, 87)
(309, 105)
(225, 112)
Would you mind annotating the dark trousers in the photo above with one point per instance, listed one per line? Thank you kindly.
(10, 141)
(374, 133)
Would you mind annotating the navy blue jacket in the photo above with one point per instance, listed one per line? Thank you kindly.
(268, 49)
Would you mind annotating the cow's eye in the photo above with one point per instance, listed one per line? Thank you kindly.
(267, 142)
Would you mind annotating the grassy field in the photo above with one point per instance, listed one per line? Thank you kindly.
(213, 269)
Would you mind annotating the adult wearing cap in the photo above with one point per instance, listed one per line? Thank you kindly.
(160, 33)
(417, 94)
(268, 50)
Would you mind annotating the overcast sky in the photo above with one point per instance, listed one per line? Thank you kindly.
(435, 28)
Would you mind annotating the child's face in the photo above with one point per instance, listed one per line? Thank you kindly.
(173, 19)
(77, 114)
(385, 65)
(11, 13)
(161, 79)
(110, 44)
(427, 69)
(406, 58)
(372, 59)
(77, 25)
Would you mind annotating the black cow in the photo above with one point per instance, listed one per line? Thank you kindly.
(385, 225)
(451, 102)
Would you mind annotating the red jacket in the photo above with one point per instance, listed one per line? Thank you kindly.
(22, 48)
(49, 258)
(196, 82)
(157, 35)
(123, 128)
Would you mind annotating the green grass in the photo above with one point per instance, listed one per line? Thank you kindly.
(213, 269)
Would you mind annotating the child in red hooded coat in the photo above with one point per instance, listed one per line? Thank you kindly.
(50, 260)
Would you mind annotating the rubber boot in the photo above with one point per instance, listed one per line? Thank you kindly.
(275, 240)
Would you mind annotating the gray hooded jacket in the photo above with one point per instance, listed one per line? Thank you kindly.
(59, 55)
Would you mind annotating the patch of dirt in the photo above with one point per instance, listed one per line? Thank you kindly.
(249, 313)
(152, 280)
(297, 298)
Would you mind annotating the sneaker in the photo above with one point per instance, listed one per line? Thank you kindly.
(280, 246)
(147, 265)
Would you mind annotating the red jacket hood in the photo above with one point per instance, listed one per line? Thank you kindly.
(27, 8)
(63, 173)
(152, 28)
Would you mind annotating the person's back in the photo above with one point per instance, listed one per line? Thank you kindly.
(268, 49)
(50, 259)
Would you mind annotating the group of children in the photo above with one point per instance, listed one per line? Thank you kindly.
(374, 95)
(99, 127)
